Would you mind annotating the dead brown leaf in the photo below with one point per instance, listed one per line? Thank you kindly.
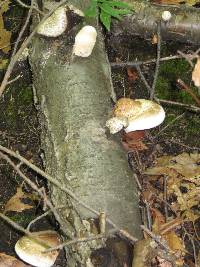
(9, 261)
(132, 74)
(133, 141)
(183, 181)
(4, 34)
(158, 220)
(15, 202)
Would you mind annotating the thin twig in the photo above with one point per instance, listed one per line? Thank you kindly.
(187, 89)
(14, 79)
(81, 240)
(149, 220)
(150, 61)
(21, 229)
(183, 145)
(32, 185)
(27, 6)
(186, 106)
(23, 29)
(40, 217)
(143, 78)
(165, 177)
(23, 46)
(158, 240)
(64, 189)
(169, 124)
(157, 61)
(185, 56)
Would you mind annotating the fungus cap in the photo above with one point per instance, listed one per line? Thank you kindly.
(31, 251)
(141, 114)
(54, 25)
(85, 41)
(166, 15)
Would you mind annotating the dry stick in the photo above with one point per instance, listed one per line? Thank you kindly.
(41, 216)
(169, 124)
(150, 61)
(183, 145)
(157, 61)
(186, 88)
(23, 46)
(23, 29)
(15, 79)
(165, 177)
(143, 78)
(21, 229)
(186, 106)
(83, 239)
(66, 190)
(27, 6)
(44, 244)
(32, 185)
(189, 60)
(158, 240)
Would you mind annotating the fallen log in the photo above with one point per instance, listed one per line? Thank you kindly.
(184, 25)
(74, 98)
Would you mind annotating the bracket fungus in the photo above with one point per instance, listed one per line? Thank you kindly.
(134, 115)
(32, 252)
(85, 41)
(54, 25)
(166, 15)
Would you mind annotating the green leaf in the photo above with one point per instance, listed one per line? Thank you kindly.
(109, 10)
(92, 10)
(105, 19)
(116, 4)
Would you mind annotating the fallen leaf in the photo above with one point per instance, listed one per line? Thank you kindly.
(196, 73)
(133, 141)
(158, 220)
(183, 182)
(176, 244)
(163, 262)
(9, 261)
(4, 34)
(3, 64)
(154, 39)
(132, 74)
(15, 202)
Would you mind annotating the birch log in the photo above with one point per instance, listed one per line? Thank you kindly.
(183, 26)
(74, 95)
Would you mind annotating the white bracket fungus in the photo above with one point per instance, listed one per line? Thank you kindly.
(133, 115)
(85, 41)
(166, 15)
(54, 25)
(32, 252)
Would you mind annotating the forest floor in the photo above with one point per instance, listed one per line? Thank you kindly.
(20, 131)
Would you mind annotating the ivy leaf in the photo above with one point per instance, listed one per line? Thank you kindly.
(92, 10)
(109, 10)
(105, 19)
(119, 4)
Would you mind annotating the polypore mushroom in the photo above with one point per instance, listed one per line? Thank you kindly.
(133, 115)
(54, 25)
(85, 41)
(32, 252)
(166, 15)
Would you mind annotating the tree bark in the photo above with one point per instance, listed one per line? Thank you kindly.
(183, 26)
(74, 96)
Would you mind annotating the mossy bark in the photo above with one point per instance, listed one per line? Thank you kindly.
(74, 97)
(183, 26)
